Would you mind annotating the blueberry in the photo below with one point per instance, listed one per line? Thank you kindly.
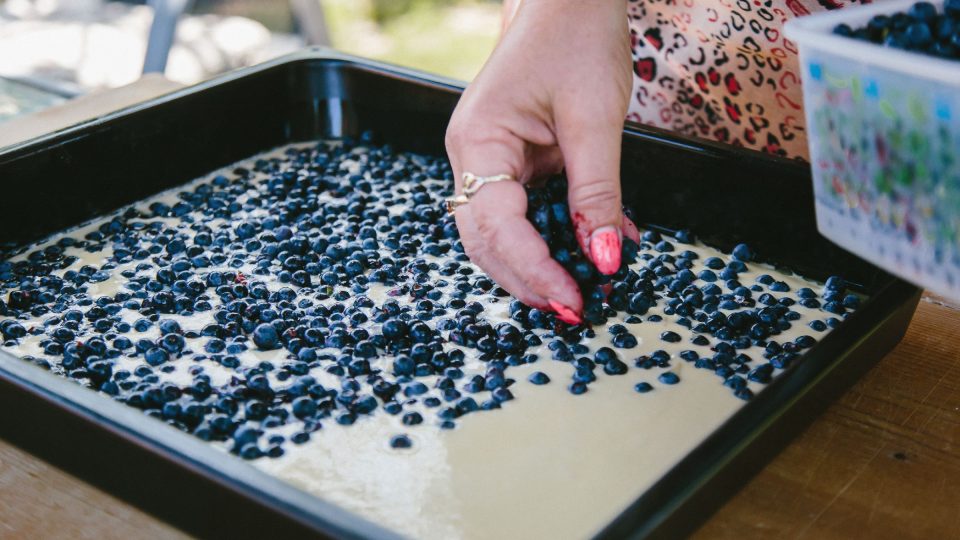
(779, 286)
(489, 405)
(365, 405)
(643, 387)
(714, 263)
(412, 419)
(250, 451)
(834, 307)
(404, 365)
(707, 275)
(952, 8)
(835, 283)
(12, 330)
(668, 377)
(684, 237)
(392, 407)
(415, 389)
(467, 405)
(918, 36)
(346, 419)
(624, 341)
(245, 435)
(577, 388)
(494, 381)
(539, 378)
(639, 304)
(650, 236)
(400, 441)
(923, 11)
(265, 337)
(604, 355)
(255, 410)
(877, 27)
(895, 40)
(843, 29)
(615, 329)
(761, 374)
(742, 252)
(156, 356)
(169, 326)
(394, 329)
(670, 336)
(304, 407)
(614, 367)
(172, 343)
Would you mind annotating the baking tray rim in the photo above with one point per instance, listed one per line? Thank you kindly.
(319, 53)
(45, 141)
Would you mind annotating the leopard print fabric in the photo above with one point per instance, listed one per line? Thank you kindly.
(721, 69)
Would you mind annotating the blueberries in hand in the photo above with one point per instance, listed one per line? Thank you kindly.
(548, 211)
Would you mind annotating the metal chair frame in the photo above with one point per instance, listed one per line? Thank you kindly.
(166, 14)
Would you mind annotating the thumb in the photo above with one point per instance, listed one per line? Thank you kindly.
(591, 153)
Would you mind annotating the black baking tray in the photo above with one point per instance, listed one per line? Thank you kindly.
(725, 195)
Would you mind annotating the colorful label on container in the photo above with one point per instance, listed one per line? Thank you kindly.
(884, 148)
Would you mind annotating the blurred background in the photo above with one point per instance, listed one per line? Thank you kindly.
(52, 50)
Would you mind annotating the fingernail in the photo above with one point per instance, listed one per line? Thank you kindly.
(564, 313)
(605, 249)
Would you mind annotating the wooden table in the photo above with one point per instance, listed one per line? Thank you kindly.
(882, 462)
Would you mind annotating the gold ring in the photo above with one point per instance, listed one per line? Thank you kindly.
(453, 202)
(471, 184)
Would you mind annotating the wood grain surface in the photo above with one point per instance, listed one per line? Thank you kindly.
(882, 462)
(84, 108)
(38, 500)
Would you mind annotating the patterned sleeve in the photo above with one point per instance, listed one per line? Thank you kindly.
(721, 69)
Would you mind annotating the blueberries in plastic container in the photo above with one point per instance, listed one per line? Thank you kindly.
(921, 29)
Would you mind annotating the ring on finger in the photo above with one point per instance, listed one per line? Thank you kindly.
(471, 185)
(453, 202)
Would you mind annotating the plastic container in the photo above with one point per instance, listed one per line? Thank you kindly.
(884, 133)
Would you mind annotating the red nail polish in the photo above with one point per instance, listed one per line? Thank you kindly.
(605, 250)
(564, 313)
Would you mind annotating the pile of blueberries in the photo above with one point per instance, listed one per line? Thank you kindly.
(548, 211)
(921, 29)
(711, 303)
(284, 255)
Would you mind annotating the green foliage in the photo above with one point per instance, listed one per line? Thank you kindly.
(449, 37)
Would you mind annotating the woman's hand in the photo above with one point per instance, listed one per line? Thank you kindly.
(553, 94)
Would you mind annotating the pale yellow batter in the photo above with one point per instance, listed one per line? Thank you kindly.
(549, 464)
